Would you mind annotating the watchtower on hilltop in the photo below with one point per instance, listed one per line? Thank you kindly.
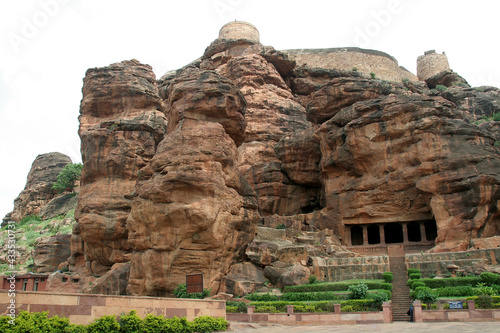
(430, 64)
(239, 30)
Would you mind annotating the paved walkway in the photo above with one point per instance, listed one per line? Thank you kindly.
(396, 327)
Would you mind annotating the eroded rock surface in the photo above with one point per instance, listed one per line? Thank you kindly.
(38, 190)
(193, 210)
(121, 124)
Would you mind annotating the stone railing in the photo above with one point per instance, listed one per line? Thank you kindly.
(470, 314)
(294, 318)
(84, 308)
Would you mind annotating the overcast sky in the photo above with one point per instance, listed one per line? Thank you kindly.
(47, 45)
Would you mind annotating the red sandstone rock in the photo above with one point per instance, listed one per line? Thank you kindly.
(193, 212)
(38, 190)
(50, 252)
(121, 123)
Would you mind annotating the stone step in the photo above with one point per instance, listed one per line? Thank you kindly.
(401, 301)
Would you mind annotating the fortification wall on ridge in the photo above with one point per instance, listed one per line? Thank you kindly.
(366, 61)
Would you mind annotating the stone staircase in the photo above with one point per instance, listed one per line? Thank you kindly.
(401, 293)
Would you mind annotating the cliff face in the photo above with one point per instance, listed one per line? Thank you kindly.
(38, 190)
(252, 138)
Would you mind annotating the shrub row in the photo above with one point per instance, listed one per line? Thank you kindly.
(130, 323)
(308, 296)
(448, 282)
(324, 306)
(335, 286)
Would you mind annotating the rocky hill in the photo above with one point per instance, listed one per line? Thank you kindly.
(179, 172)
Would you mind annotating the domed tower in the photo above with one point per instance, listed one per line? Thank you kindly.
(239, 30)
(431, 64)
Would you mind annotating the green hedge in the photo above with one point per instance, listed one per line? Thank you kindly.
(455, 291)
(388, 277)
(262, 297)
(313, 296)
(495, 299)
(451, 282)
(324, 306)
(413, 270)
(415, 276)
(131, 323)
(333, 286)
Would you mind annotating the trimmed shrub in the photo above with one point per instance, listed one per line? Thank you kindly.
(130, 323)
(254, 297)
(417, 284)
(205, 324)
(347, 308)
(413, 270)
(484, 302)
(240, 306)
(454, 291)
(388, 277)
(415, 276)
(313, 296)
(386, 286)
(426, 296)
(313, 279)
(104, 324)
(330, 286)
(358, 291)
(490, 278)
(452, 282)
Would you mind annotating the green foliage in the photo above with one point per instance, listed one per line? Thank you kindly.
(426, 296)
(266, 309)
(483, 289)
(333, 286)
(34, 322)
(441, 88)
(206, 324)
(452, 282)
(131, 323)
(104, 324)
(355, 69)
(496, 117)
(255, 297)
(181, 292)
(454, 291)
(388, 277)
(415, 276)
(484, 302)
(386, 286)
(66, 179)
(281, 226)
(417, 284)
(490, 278)
(347, 308)
(405, 80)
(240, 306)
(373, 75)
(29, 220)
(413, 270)
(379, 298)
(313, 279)
(358, 291)
(311, 296)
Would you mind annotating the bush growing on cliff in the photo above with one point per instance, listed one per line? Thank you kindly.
(66, 179)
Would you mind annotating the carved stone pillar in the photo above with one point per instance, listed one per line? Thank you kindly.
(423, 236)
(405, 233)
(348, 237)
(382, 234)
(365, 235)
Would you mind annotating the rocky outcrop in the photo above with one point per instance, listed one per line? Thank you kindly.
(479, 102)
(193, 210)
(38, 190)
(121, 124)
(50, 252)
(446, 78)
(59, 206)
(411, 158)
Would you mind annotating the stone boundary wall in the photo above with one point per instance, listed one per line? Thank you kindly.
(337, 317)
(470, 314)
(338, 269)
(438, 263)
(84, 308)
(366, 61)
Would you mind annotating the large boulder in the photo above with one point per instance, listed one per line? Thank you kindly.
(50, 252)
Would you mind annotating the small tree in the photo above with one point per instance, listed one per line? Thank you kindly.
(426, 296)
(66, 179)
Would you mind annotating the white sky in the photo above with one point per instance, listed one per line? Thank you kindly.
(47, 45)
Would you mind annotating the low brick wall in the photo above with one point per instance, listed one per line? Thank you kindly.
(84, 308)
(470, 314)
(292, 318)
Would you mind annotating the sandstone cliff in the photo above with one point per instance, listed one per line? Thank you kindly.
(179, 172)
